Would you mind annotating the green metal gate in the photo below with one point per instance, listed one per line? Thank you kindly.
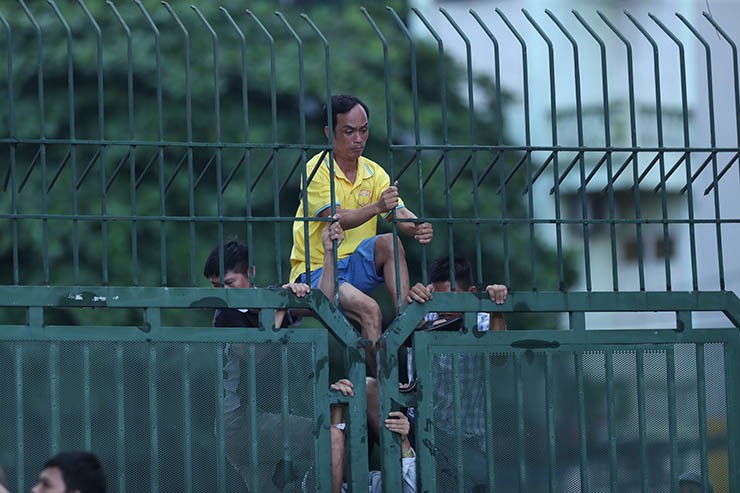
(586, 159)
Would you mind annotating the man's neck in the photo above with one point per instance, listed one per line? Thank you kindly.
(349, 168)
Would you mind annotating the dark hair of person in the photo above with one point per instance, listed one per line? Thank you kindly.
(236, 258)
(440, 271)
(81, 471)
(340, 104)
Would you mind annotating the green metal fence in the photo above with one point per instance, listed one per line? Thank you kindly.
(585, 159)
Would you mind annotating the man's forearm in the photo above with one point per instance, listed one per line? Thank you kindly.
(326, 282)
(407, 228)
(351, 218)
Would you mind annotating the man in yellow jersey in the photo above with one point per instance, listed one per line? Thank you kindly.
(362, 193)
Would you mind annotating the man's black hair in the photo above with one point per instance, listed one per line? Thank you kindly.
(81, 471)
(340, 104)
(440, 271)
(236, 258)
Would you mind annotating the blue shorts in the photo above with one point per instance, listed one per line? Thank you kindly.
(358, 269)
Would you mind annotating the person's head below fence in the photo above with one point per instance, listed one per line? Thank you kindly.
(71, 472)
(439, 273)
(236, 265)
(691, 482)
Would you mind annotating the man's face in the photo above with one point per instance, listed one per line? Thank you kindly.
(50, 481)
(445, 287)
(231, 280)
(350, 134)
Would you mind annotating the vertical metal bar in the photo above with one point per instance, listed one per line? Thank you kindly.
(153, 421)
(20, 447)
(12, 151)
(131, 151)
(701, 397)
(321, 408)
(218, 384)
(736, 87)
(582, 165)
(732, 408)
(54, 398)
(285, 407)
(387, 77)
(101, 104)
(153, 318)
(500, 141)
(426, 456)
(247, 151)
(73, 138)
(713, 144)
(611, 422)
(635, 154)
(120, 419)
(457, 392)
(554, 136)
(301, 102)
(252, 410)
(187, 419)
(189, 137)
(521, 450)
(687, 144)
(332, 184)
(582, 436)
(417, 153)
(275, 174)
(528, 145)
(273, 99)
(42, 144)
(160, 138)
(389, 132)
(661, 150)
(673, 468)
(550, 422)
(473, 158)
(86, 397)
(489, 406)
(607, 143)
(217, 122)
(358, 427)
(641, 424)
(445, 142)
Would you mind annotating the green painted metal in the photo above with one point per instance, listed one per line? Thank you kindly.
(143, 179)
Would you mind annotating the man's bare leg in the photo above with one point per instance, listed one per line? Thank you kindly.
(364, 310)
(385, 263)
(337, 450)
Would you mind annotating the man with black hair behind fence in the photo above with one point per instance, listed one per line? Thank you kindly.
(363, 192)
(71, 472)
(274, 473)
(468, 368)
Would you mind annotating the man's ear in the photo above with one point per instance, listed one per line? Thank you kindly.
(254, 273)
(326, 131)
